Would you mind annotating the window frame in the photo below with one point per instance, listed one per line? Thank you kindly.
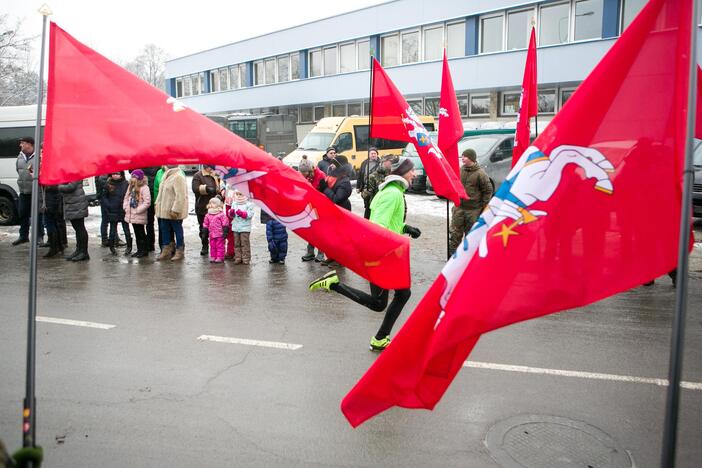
(560, 95)
(337, 105)
(355, 56)
(418, 31)
(481, 18)
(470, 104)
(266, 61)
(535, 12)
(314, 113)
(502, 112)
(297, 59)
(324, 59)
(446, 34)
(556, 96)
(309, 62)
(277, 68)
(366, 66)
(570, 22)
(444, 31)
(398, 56)
(256, 75)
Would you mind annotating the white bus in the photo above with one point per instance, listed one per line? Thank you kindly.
(17, 122)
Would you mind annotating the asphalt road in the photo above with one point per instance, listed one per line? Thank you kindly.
(149, 393)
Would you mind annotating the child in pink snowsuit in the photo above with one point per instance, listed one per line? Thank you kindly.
(216, 226)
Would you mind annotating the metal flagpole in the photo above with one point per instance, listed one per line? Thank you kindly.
(448, 233)
(678, 332)
(29, 412)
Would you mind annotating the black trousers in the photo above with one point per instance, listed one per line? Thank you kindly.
(150, 232)
(113, 230)
(24, 208)
(81, 234)
(377, 300)
(141, 237)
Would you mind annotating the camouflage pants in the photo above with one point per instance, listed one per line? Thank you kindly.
(461, 222)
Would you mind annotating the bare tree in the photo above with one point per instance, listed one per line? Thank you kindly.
(18, 80)
(150, 65)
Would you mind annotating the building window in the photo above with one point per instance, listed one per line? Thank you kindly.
(179, 87)
(270, 71)
(547, 101)
(510, 103)
(186, 86)
(315, 62)
(354, 109)
(588, 19)
(554, 24)
(366, 108)
(456, 39)
(431, 106)
(243, 78)
(410, 47)
(339, 110)
(283, 68)
(223, 79)
(417, 106)
(215, 82)
(318, 113)
(519, 28)
(433, 43)
(565, 95)
(389, 50)
(491, 34)
(347, 57)
(479, 105)
(294, 111)
(463, 104)
(330, 61)
(201, 82)
(306, 114)
(295, 66)
(631, 8)
(234, 77)
(363, 54)
(258, 73)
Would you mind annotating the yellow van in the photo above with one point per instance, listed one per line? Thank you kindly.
(350, 137)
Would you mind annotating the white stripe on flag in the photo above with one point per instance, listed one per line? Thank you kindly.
(75, 323)
(578, 374)
(243, 341)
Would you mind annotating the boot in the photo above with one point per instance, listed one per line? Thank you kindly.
(82, 255)
(72, 255)
(205, 246)
(179, 254)
(309, 256)
(165, 253)
(142, 250)
(54, 245)
(111, 245)
(319, 257)
(128, 250)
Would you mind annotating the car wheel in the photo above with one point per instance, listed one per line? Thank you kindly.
(8, 211)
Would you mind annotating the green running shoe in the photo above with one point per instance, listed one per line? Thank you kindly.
(325, 282)
(379, 345)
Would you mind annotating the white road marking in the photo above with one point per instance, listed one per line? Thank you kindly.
(578, 374)
(75, 323)
(243, 341)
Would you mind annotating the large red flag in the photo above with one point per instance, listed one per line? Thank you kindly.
(101, 118)
(450, 123)
(571, 224)
(528, 102)
(394, 119)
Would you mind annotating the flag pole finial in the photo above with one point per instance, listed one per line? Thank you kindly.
(45, 10)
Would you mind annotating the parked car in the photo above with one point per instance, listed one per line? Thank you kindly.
(697, 183)
(494, 151)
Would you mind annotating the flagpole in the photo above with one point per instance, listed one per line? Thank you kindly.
(678, 331)
(28, 413)
(448, 233)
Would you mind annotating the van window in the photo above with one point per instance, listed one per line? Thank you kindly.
(344, 142)
(316, 141)
(361, 132)
(9, 140)
(504, 151)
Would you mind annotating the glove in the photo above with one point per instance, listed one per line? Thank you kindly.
(211, 190)
(225, 231)
(323, 185)
(242, 214)
(412, 231)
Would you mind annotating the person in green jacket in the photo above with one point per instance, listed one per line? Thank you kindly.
(388, 209)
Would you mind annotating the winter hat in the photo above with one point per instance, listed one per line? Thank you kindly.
(390, 157)
(239, 197)
(138, 174)
(214, 203)
(27, 139)
(402, 168)
(341, 159)
(470, 154)
(304, 166)
(329, 149)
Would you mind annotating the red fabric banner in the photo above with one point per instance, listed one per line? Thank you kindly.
(569, 226)
(450, 123)
(528, 102)
(101, 118)
(394, 119)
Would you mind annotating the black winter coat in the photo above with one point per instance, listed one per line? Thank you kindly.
(342, 190)
(75, 203)
(112, 198)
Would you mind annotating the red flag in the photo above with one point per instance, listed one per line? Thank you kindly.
(101, 118)
(568, 226)
(528, 102)
(394, 119)
(450, 123)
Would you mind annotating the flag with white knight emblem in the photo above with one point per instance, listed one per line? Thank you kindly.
(591, 209)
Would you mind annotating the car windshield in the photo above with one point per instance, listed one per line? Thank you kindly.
(482, 145)
(697, 159)
(316, 141)
(410, 150)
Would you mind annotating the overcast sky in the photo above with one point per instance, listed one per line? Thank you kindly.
(119, 29)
